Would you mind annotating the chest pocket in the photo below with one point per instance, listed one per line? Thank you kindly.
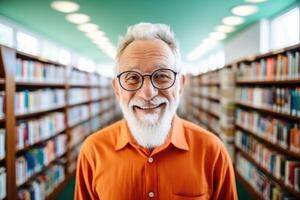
(181, 197)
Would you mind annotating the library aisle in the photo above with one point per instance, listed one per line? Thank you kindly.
(241, 59)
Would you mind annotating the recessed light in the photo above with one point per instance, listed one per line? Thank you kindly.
(225, 28)
(78, 18)
(65, 6)
(95, 34)
(217, 35)
(244, 10)
(233, 20)
(209, 41)
(88, 27)
(256, 1)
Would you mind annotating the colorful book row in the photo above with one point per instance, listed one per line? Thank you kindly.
(283, 100)
(265, 187)
(281, 132)
(281, 67)
(33, 71)
(35, 159)
(43, 184)
(38, 100)
(280, 166)
(35, 130)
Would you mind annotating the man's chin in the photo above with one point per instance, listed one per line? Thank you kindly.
(148, 119)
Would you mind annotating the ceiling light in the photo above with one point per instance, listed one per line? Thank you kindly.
(217, 35)
(233, 20)
(244, 10)
(78, 18)
(65, 6)
(95, 34)
(256, 1)
(225, 28)
(88, 27)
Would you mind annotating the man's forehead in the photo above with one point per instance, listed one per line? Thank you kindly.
(145, 69)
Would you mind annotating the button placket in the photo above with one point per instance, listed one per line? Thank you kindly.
(151, 178)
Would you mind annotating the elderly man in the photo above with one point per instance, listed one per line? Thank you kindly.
(152, 153)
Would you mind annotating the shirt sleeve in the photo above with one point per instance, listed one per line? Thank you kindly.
(84, 179)
(224, 179)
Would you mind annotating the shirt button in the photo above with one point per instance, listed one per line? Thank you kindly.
(150, 160)
(151, 194)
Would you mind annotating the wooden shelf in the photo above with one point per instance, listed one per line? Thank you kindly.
(20, 151)
(80, 103)
(2, 81)
(38, 84)
(267, 111)
(26, 115)
(31, 178)
(270, 144)
(268, 174)
(255, 195)
(209, 97)
(209, 84)
(268, 82)
(37, 58)
(209, 112)
(79, 86)
(2, 119)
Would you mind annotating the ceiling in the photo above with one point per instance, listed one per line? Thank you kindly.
(191, 20)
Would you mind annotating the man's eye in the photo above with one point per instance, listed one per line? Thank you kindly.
(133, 78)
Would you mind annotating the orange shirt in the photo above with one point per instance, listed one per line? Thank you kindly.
(192, 165)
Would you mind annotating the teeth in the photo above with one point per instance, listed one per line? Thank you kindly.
(148, 107)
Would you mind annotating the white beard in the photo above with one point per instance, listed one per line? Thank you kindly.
(153, 129)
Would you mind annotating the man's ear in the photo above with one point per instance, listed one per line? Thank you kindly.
(182, 79)
(115, 86)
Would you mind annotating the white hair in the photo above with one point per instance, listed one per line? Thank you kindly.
(148, 31)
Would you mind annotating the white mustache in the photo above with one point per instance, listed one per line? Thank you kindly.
(156, 101)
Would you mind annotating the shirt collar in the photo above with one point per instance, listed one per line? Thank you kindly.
(177, 138)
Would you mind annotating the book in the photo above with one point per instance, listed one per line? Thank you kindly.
(38, 100)
(2, 143)
(2, 183)
(38, 72)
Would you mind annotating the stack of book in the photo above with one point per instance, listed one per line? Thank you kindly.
(281, 167)
(96, 123)
(78, 95)
(283, 100)
(95, 108)
(43, 184)
(2, 143)
(34, 71)
(94, 79)
(38, 100)
(280, 67)
(36, 159)
(35, 130)
(78, 114)
(78, 134)
(281, 132)
(265, 187)
(78, 78)
(95, 93)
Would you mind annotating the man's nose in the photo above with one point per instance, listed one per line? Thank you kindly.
(147, 91)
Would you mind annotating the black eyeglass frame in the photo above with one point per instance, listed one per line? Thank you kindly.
(150, 77)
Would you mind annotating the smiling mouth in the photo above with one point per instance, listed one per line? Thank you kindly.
(148, 107)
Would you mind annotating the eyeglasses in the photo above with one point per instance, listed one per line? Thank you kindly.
(161, 79)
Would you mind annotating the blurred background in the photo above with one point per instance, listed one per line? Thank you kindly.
(241, 58)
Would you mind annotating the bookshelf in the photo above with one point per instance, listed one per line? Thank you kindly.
(46, 105)
(204, 103)
(267, 141)
(211, 102)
